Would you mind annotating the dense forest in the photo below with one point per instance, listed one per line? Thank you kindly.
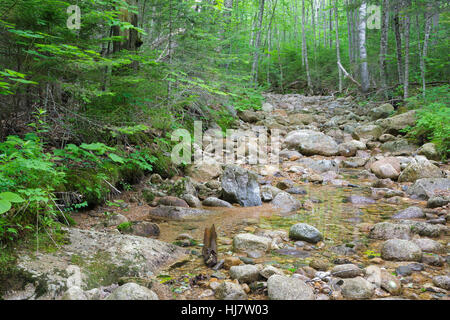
(91, 90)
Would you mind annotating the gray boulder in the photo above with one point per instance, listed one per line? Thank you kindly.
(286, 288)
(248, 241)
(132, 291)
(286, 202)
(310, 142)
(420, 168)
(216, 202)
(245, 273)
(357, 288)
(230, 291)
(240, 186)
(409, 213)
(305, 232)
(424, 189)
(401, 250)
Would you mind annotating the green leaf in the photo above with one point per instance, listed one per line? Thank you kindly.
(116, 158)
(4, 206)
(11, 197)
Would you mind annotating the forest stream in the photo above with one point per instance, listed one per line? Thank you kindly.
(362, 235)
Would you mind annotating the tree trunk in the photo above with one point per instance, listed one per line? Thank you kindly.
(338, 53)
(384, 45)
(407, 44)
(362, 47)
(257, 43)
(398, 42)
(305, 48)
(428, 24)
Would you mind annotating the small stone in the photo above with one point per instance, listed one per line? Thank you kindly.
(401, 250)
(230, 291)
(346, 271)
(442, 282)
(132, 291)
(305, 232)
(357, 288)
(285, 288)
(245, 273)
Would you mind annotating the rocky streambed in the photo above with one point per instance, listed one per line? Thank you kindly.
(353, 210)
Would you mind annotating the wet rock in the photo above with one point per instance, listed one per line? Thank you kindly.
(215, 202)
(428, 245)
(248, 241)
(285, 288)
(386, 230)
(442, 282)
(320, 166)
(310, 142)
(269, 271)
(354, 199)
(296, 190)
(177, 213)
(230, 291)
(424, 189)
(293, 253)
(409, 213)
(245, 273)
(420, 168)
(346, 271)
(173, 201)
(424, 229)
(305, 232)
(343, 250)
(357, 288)
(240, 186)
(286, 203)
(132, 291)
(386, 168)
(74, 293)
(401, 250)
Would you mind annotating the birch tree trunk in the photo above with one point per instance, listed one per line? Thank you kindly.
(338, 53)
(362, 47)
(428, 24)
(384, 45)
(349, 32)
(257, 42)
(407, 45)
(305, 49)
